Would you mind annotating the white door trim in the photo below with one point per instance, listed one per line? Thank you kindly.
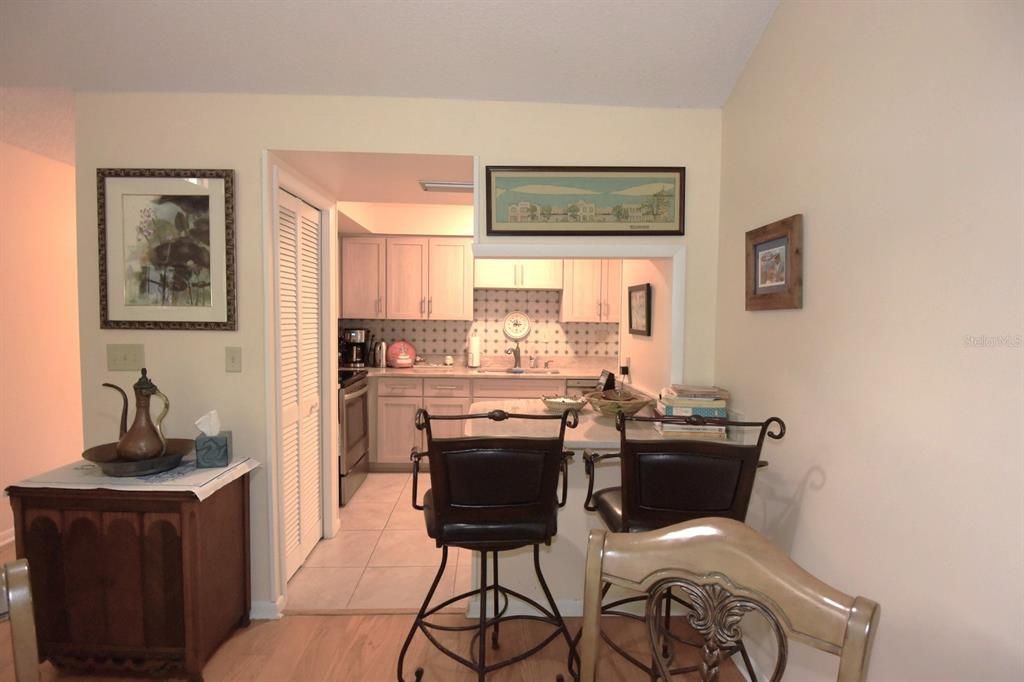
(277, 174)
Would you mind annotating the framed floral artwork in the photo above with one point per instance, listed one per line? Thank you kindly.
(166, 248)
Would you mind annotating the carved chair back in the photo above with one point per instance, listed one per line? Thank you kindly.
(724, 569)
(16, 605)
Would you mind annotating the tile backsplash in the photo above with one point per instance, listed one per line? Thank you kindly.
(548, 336)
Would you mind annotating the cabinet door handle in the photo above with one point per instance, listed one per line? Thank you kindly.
(430, 306)
(598, 310)
(444, 387)
(423, 305)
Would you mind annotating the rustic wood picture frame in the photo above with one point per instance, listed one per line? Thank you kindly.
(775, 272)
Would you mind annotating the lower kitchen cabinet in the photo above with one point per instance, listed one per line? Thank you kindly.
(447, 406)
(396, 429)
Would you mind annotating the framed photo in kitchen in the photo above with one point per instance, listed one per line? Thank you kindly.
(592, 201)
(166, 248)
(640, 310)
(775, 275)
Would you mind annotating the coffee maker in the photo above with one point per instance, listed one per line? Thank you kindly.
(354, 347)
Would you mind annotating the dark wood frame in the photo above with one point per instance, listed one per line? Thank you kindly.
(792, 296)
(680, 201)
(228, 176)
(646, 288)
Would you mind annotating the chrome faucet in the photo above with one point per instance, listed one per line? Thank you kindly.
(514, 352)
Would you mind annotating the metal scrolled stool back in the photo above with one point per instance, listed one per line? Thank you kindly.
(16, 606)
(490, 495)
(668, 481)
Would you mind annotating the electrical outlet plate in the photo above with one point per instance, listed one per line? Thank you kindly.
(125, 357)
(232, 358)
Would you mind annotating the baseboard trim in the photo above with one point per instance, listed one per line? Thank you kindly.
(267, 610)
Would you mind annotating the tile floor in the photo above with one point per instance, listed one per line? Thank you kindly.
(381, 561)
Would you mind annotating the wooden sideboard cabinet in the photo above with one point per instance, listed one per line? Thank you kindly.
(141, 582)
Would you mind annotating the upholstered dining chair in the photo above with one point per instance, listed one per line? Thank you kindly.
(725, 569)
(490, 495)
(16, 606)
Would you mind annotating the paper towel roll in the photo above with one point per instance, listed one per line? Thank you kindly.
(474, 351)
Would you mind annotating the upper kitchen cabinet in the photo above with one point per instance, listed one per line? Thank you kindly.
(450, 279)
(507, 273)
(363, 278)
(407, 278)
(592, 290)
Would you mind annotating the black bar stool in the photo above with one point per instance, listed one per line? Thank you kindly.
(491, 495)
(669, 481)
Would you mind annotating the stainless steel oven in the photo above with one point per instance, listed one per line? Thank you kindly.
(354, 443)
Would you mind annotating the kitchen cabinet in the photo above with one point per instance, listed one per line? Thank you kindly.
(396, 428)
(363, 278)
(507, 273)
(407, 267)
(407, 278)
(591, 290)
(450, 279)
(447, 406)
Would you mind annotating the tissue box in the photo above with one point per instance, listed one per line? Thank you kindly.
(213, 451)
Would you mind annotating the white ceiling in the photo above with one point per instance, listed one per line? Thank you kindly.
(672, 53)
(387, 178)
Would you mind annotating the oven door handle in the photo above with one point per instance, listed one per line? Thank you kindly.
(358, 394)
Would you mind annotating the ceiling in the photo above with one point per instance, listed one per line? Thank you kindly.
(669, 53)
(386, 178)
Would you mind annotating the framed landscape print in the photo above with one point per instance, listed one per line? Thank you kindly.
(585, 200)
(167, 248)
(775, 277)
(640, 310)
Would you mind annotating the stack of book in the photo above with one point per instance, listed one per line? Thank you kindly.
(706, 402)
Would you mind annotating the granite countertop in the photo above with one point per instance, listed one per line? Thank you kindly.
(595, 431)
(431, 371)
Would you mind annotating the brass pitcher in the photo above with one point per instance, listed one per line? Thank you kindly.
(144, 440)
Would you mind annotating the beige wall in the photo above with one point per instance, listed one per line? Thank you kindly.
(360, 217)
(40, 389)
(648, 370)
(231, 131)
(896, 129)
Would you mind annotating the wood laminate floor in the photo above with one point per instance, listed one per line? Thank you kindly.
(365, 649)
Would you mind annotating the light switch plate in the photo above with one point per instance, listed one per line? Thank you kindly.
(232, 358)
(125, 357)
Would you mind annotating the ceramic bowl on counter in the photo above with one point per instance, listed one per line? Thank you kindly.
(560, 403)
(610, 403)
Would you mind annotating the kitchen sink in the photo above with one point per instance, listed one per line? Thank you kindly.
(513, 372)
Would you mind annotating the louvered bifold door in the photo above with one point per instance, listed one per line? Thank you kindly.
(298, 286)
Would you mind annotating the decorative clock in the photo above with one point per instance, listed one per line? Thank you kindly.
(516, 325)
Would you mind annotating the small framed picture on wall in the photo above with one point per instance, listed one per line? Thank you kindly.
(640, 310)
(775, 276)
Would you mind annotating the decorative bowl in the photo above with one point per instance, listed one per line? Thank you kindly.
(105, 456)
(610, 403)
(560, 403)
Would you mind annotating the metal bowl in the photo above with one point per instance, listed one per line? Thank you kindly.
(105, 457)
(610, 403)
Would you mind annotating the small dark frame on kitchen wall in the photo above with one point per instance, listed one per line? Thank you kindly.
(640, 310)
(594, 201)
(775, 269)
(166, 248)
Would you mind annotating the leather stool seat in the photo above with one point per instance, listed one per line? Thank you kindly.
(486, 535)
